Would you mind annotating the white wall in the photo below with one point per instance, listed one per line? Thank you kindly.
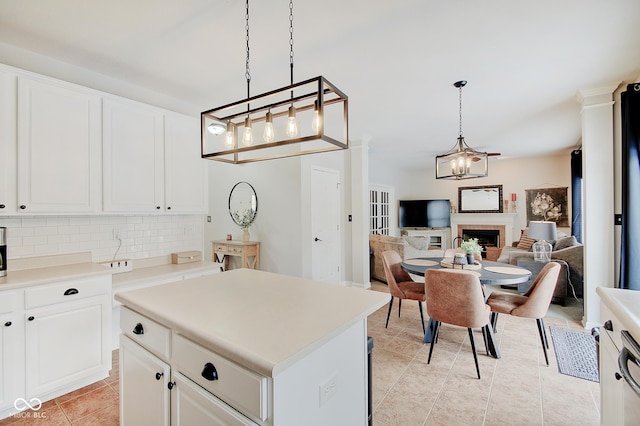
(515, 175)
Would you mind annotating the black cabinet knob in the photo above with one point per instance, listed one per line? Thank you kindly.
(169, 208)
(138, 329)
(170, 385)
(22, 207)
(159, 376)
(617, 376)
(31, 318)
(608, 325)
(209, 372)
(2, 206)
(8, 324)
(157, 207)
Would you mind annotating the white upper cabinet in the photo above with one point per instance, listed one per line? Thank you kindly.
(185, 170)
(133, 157)
(8, 142)
(59, 147)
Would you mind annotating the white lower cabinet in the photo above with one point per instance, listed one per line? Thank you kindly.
(11, 348)
(55, 338)
(192, 405)
(144, 394)
(165, 379)
(611, 385)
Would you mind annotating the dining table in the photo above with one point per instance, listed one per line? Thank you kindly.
(488, 272)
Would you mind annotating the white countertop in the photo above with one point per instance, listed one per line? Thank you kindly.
(625, 305)
(261, 320)
(27, 277)
(138, 275)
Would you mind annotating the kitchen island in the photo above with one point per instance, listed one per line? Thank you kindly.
(245, 347)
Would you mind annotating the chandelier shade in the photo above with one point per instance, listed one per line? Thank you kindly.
(462, 162)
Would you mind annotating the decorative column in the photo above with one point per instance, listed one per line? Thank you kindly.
(360, 274)
(598, 198)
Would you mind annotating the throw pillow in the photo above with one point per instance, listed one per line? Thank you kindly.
(563, 243)
(525, 242)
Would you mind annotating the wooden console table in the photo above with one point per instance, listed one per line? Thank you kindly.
(243, 249)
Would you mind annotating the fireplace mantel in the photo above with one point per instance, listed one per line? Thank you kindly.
(499, 219)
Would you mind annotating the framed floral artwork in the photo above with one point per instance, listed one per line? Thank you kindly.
(548, 204)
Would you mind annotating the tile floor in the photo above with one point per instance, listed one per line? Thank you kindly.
(96, 404)
(518, 389)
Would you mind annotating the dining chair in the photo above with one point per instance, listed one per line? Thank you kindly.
(455, 297)
(400, 284)
(533, 304)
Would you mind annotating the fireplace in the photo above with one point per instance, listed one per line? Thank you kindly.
(487, 238)
(490, 237)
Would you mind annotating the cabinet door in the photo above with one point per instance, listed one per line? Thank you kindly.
(8, 142)
(185, 170)
(11, 349)
(611, 389)
(59, 147)
(192, 405)
(144, 395)
(67, 342)
(133, 158)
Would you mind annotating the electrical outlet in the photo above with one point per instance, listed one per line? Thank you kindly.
(189, 229)
(328, 389)
(116, 233)
(119, 266)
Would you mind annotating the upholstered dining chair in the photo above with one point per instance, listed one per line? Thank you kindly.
(533, 304)
(400, 284)
(455, 297)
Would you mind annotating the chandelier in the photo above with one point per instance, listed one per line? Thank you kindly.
(303, 118)
(462, 162)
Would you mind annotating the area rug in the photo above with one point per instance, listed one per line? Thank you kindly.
(576, 353)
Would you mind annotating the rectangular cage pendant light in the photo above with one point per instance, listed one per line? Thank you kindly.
(462, 164)
(304, 118)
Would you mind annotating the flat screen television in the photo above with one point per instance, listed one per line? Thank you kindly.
(425, 214)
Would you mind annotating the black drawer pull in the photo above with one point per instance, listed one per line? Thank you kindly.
(2, 206)
(71, 291)
(138, 329)
(22, 207)
(170, 385)
(159, 376)
(31, 318)
(608, 325)
(8, 324)
(209, 372)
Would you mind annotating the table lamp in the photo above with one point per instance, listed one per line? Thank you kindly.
(542, 231)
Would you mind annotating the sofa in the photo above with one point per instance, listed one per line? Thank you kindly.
(566, 249)
(379, 244)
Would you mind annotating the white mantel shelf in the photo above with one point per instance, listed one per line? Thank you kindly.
(505, 219)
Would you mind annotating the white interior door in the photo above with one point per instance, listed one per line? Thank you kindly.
(325, 226)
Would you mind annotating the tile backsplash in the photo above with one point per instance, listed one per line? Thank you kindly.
(106, 237)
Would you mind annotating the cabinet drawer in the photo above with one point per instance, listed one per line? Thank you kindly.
(235, 250)
(219, 248)
(11, 301)
(242, 389)
(66, 291)
(146, 332)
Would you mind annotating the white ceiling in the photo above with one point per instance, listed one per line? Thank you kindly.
(397, 60)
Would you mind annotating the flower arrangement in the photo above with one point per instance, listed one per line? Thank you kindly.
(471, 246)
(245, 219)
(544, 205)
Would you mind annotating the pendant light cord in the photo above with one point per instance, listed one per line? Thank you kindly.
(291, 42)
(247, 72)
(460, 111)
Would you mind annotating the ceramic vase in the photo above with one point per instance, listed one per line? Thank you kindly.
(245, 235)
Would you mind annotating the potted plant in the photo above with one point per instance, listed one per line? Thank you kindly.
(244, 221)
(471, 247)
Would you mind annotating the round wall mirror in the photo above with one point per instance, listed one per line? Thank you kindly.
(243, 204)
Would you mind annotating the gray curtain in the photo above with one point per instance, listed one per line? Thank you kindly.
(630, 250)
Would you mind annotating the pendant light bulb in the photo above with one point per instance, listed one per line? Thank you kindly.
(230, 138)
(292, 123)
(268, 135)
(315, 123)
(247, 138)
